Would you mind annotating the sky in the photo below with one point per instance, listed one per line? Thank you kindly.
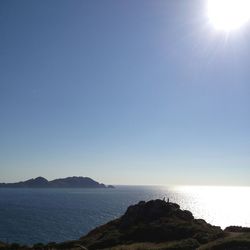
(125, 92)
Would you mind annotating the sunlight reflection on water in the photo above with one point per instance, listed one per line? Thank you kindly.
(222, 206)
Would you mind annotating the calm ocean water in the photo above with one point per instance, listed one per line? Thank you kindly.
(43, 215)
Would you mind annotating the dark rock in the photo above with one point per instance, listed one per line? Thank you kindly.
(152, 221)
(152, 210)
(237, 229)
(184, 214)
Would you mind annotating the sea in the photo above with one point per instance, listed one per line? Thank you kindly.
(29, 216)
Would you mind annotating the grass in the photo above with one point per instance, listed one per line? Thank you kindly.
(233, 241)
(187, 244)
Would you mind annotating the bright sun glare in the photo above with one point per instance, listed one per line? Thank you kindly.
(228, 14)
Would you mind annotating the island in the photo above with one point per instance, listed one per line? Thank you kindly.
(69, 182)
(153, 225)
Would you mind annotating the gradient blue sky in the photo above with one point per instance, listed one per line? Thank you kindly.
(126, 92)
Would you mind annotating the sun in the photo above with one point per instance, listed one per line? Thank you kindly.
(228, 14)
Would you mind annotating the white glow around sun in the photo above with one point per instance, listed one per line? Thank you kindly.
(228, 14)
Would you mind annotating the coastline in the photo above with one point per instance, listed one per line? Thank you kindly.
(156, 224)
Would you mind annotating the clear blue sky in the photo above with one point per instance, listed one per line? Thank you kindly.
(126, 92)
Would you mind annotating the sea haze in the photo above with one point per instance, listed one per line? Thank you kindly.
(43, 215)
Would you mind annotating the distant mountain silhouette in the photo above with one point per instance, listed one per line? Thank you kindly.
(69, 182)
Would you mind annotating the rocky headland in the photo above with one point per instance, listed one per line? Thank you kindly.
(158, 225)
(69, 182)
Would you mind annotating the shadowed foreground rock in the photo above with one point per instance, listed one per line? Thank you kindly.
(158, 225)
(153, 221)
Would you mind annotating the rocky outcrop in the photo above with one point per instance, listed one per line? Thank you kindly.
(153, 221)
(153, 210)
